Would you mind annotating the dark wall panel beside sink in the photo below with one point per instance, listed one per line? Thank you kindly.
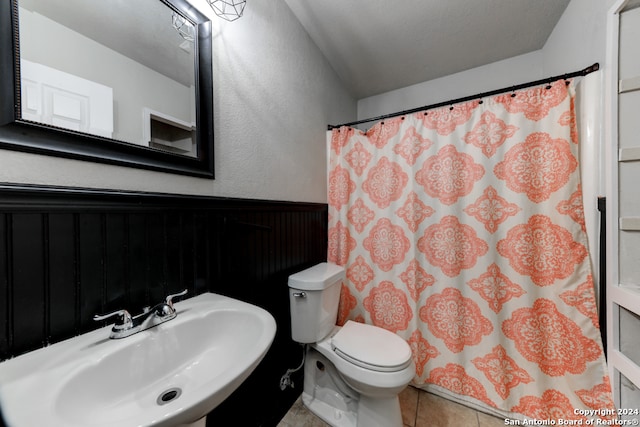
(67, 254)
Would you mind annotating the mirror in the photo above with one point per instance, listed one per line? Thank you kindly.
(124, 82)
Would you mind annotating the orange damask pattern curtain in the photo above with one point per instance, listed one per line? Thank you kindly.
(462, 230)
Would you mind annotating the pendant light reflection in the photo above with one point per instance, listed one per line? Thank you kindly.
(182, 26)
(229, 10)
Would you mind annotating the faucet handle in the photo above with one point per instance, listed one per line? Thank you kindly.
(169, 299)
(125, 321)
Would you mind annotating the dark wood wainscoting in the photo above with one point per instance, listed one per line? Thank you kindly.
(67, 254)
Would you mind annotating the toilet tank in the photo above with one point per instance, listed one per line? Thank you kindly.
(314, 295)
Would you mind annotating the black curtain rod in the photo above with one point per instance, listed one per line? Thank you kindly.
(584, 72)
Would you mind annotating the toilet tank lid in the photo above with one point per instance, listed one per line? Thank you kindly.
(317, 278)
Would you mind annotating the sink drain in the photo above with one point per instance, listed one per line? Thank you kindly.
(168, 396)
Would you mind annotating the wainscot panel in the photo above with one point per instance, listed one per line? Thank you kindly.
(67, 254)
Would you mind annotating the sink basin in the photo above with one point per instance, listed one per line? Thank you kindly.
(172, 374)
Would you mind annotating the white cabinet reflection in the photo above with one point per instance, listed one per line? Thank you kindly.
(63, 100)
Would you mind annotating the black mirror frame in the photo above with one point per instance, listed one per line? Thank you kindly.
(22, 135)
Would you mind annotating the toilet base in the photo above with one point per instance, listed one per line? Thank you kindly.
(330, 414)
(379, 412)
(330, 398)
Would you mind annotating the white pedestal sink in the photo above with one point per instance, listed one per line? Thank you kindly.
(172, 374)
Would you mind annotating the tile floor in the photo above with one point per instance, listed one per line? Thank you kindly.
(419, 409)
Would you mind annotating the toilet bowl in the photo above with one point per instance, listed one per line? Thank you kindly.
(353, 373)
(371, 384)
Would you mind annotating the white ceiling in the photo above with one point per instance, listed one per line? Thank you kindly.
(380, 45)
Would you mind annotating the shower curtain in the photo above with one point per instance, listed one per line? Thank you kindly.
(462, 230)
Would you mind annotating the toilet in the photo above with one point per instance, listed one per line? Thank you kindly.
(352, 373)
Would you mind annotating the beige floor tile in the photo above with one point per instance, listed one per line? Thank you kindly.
(300, 416)
(290, 416)
(489, 421)
(287, 420)
(434, 411)
(419, 409)
(309, 420)
(409, 405)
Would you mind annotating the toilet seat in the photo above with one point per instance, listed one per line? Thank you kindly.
(371, 347)
(365, 380)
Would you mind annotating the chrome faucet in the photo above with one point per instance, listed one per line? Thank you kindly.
(151, 316)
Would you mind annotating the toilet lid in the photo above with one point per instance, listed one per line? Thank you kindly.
(371, 347)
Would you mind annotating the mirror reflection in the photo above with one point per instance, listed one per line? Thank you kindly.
(123, 70)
